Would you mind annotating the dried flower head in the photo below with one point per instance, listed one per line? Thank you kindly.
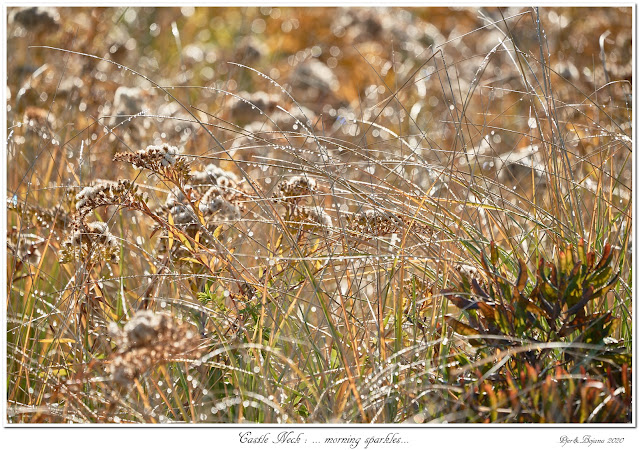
(379, 223)
(296, 189)
(91, 243)
(180, 208)
(224, 199)
(163, 160)
(128, 101)
(220, 204)
(149, 339)
(106, 193)
(174, 122)
(468, 271)
(310, 216)
(214, 175)
(375, 222)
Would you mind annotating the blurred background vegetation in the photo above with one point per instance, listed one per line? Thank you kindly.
(467, 125)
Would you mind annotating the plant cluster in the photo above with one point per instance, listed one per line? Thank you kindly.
(551, 338)
(286, 226)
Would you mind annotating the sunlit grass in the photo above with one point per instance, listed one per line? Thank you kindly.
(268, 215)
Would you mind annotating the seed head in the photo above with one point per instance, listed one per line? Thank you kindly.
(105, 193)
(163, 160)
(149, 339)
(90, 242)
(296, 189)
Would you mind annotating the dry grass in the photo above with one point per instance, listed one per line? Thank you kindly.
(319, 215)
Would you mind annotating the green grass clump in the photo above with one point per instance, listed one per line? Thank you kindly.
(269, 215)
(557, 328)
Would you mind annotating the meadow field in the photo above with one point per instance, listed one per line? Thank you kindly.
(319, 215)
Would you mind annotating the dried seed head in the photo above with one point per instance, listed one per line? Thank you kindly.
(250, 50)
(296, 189)
(468, 271)
(92, 243)
(290, 120)
(105, 193)
(220, 204)
(163, 160)
(128, 101)
(149, 339)
(223, 201)
(180, 208)
(378, 223)
(311, 216)
(144, 327)
(213, 175)
(151, 158)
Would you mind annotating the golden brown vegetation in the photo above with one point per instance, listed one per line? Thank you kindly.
(319, 214)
